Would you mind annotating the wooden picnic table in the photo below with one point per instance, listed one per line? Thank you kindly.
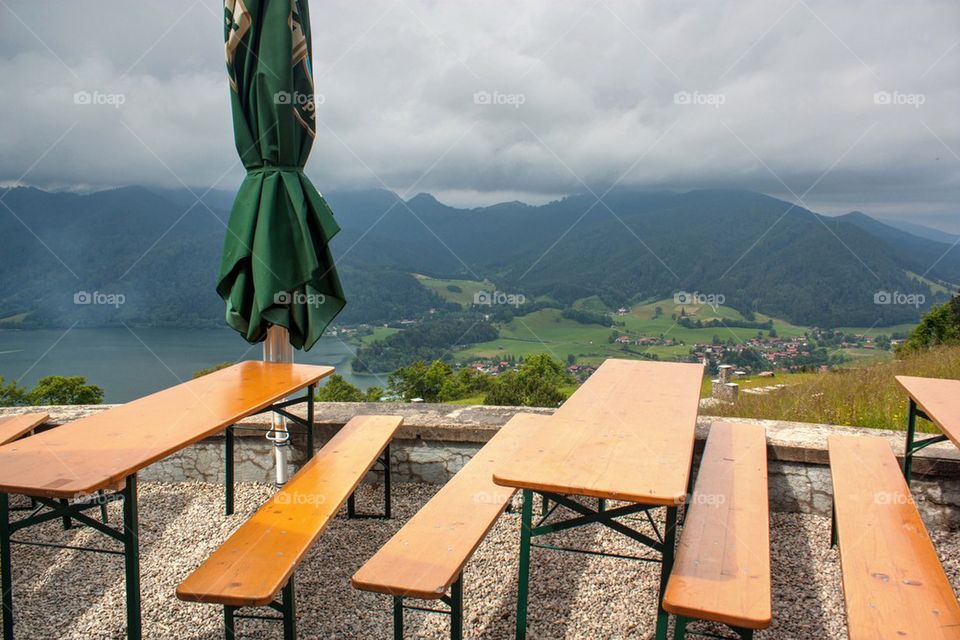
(626, 434)
(936, 400)
(68, 470)
(12, 427)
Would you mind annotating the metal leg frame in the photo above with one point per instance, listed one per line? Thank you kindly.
(281, 409)
(912, 445)
(384, 462)
(680, 631)
(454, 603)
(52, 509)
(286, 607)
(663, 543)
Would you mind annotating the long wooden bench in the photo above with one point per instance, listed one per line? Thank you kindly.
(893, 583)
(13, 427)
(425, 559)
(722, 570)
(258, 561)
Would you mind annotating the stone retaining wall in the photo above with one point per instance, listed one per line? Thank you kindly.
(436, 441)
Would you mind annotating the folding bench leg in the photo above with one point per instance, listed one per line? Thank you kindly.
(397, 618)
(454, 601)
(680, 628)
(384, 461)
(833, 525)
(229, 624)
(6, 572)
(289, 606)
(228, 444)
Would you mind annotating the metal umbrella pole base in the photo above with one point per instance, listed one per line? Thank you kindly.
(277, 348)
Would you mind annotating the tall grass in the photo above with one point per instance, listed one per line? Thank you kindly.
(865, 396)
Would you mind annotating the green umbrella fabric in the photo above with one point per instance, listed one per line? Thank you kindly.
(277, 268)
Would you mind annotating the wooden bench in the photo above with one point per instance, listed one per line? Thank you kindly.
(425, 559)
(893, 583)
(258, 561)
(722, 570)
(13, 427)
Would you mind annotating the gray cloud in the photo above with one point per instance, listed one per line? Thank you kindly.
(478, 101)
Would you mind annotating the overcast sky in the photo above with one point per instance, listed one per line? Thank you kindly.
(835, 105)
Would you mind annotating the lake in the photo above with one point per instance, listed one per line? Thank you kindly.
(129, 364)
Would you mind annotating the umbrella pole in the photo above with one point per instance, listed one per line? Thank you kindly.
(277, 348)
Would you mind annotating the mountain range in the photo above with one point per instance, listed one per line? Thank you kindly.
(156, 252)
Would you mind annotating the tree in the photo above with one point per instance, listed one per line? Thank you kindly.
(336, 389)
(421, 381)
(12, 394)
(537, 383)
(65, 390)
(940, 325)
(208, 370)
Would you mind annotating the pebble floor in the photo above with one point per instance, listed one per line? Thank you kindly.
(80, 596)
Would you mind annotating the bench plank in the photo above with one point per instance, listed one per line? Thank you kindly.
(722, 570)
(893, 583)
(254, 564)
(626, 434)
(939, 399)
(99, 451)
(427, 555)
(12, 427)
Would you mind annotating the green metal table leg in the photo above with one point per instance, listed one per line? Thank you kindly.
(289, 611)
(669, 541)
(6, 572)
(131, 556)
(67, 522)
(104, 516)
(228, 470)
(908, 448)
(456, 609)
(310, 391)
(229, 624)
(601, 505)
(524, 579)
(397, 618)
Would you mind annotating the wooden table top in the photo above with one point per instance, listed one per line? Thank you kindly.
(939, 399)
(12, 427)
(99, 451)
(626, 434)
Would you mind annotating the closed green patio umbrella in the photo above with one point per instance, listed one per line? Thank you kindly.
(277, 274)
(277, 269)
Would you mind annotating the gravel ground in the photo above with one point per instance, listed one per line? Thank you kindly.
(75, 595)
